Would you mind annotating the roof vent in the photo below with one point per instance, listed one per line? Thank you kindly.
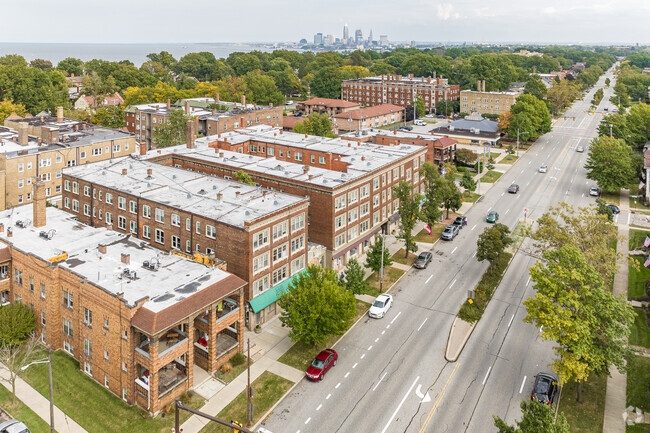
(189, 195)
(202, 191)
(21, 224)
(104, 172)
(173, 176)
(275, 203)
(247, 212)
(214, 186)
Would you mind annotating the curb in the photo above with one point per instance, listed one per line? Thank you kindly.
(462, 345)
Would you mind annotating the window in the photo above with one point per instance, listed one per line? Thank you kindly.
(353, 196)
(87, 209)
(42, 290)
(146, 231)
(116, 148)
(75, 187)
(176, 220)
(88, 368)
(45, 162)
(106, 377)
(21, 183)
(297, 222)
(260, 285)
(279, 253)
(339, 240)
(18, 277)
(176, 242)
(68, 300)
(321, 159)
(297, 265)
(339, 221)
(68, 347)
(75, 205)
(133, 207)
(364, 226)
(86, 190)
(353, 233)
(364, 209)
(43, 318)
(146, 210)
(298, 156)
(125, 336)
(125, 395)
(66, 185)
(72, 162)
(279, 230)
(109, 218)
(100, 195)
(160, 236)
(59, 159)
(21, 167)
(197, 225)
(68, 328)
(105, 355)
(88, 317)
(210, 231)
(313, 159)
(88, 348)
(353, 215)
(260, 239)
(124, 369)
(121, 222)
(364, 191)
(20, 198)
(188, 246)
(297, 244)
(339, 202)
(261, 262)
(188, 224)
(160, 215)
(109, 198)
(31, 284)
(97, 151)
(121, 202)
(279, 275)
(133, 227)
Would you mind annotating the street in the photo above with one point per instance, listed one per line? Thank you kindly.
(391, 374)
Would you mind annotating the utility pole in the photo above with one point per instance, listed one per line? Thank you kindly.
(381, 271)
(49, 373)
(248, 389)
(610, 130)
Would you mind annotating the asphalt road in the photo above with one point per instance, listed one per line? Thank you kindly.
(392, 376)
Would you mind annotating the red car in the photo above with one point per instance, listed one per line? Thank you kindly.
(321, 364)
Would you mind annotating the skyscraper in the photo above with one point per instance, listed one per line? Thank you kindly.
(318, 39)
(358, 36)
(346, 34)
(370, 37)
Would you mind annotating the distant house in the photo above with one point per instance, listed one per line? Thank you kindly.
(87, 103)
(473, 129)
(326, 105)
(369, 117)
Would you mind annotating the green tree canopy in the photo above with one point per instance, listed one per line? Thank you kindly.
(355, 277)
(17, 323)
(535, 418)
(409, 205)
(431, 210)
(316, 306)
(243, 177)
(327, 82)
(374, 254)
(173, 131)
(492, 242)
(530, 115)
(450, 195)
(7, 108)
(638, 123)
(466, 156)
(71, 66)
(609, 163)
(618, 123)
(535, 87)
(262, 89)
(315, 124)
(111, 116)
(468, 181)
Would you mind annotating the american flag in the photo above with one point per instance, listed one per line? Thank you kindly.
(646, 243)
(647, 262)
(643, 175)
(641, 185)
(428, 229)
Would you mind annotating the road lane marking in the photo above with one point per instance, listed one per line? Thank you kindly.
(435, 406)
(380, 379)
(502, 194)
(370, 348)
(522, 384)
(428, 279)
(474, 227)
(425, 321)
(528, 281)
(346, 375)
(376, 339)
(363, 355)
(522, 171)
(474, 255)
(507, 212)
(337, 385)
(308, 419)
(355, 365)
(486, 375)
(400, 405)
(452, 283)
(319, 406)
(382, 332)
(395, 318)
(583, 194)
(530, 162)
(510, 323)
(328, 396)
(454, 250)
(490, 209)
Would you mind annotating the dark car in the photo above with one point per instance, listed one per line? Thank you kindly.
(423, 260)
(460, 221)
(492, 217)
(615, 210)
(513, 189)
(450, 232)
(321, 364)
(545, 388)
(406, 128)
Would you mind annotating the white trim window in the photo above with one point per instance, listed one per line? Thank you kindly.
(261, 262)
(260, 239)
(160, 215)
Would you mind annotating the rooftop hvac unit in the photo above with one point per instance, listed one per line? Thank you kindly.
(21, 224)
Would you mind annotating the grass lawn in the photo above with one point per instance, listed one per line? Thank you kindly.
(301, 354)
(640, 333)
(267, 390)
(611, 197)
(391, 275)
(398, 257)
(638, 378)
(639, 428)
(93, 406)
(636, 278)
(424, 235)
(491, 176)
(232, 374)
(470, 197)
(21, 412)
(637, 237)
(588, 416)
(508, 159)
(518, 235)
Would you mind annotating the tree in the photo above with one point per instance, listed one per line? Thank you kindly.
(111, 116)
(409, 205)
(315, 124)
(420, 109)
(316, 306)
(584, 229)
(173, 131)
(607, 82)
(531, 115)
(638, 123)
(41, 64)
(243, 177)
(71, 66)
(262, 89)
(573, 307)
(614, 124)
(466, 156)
(561, 95)
(493, 242)
(603, 209)
(535, 87)
(17, 339)
(468, 182)
(355, 277)
(598, 96)
(431, 211)
(197, 65)
(490, 164)
(609, 163)
(535, 418)
(374, 254)
(510, 150)
(447, 107)
(327, 82)
(450, 195)
(7, 108)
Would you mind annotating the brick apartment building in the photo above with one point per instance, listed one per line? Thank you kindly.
(142, 119)
(261, 234)
(369, 117)
(484, 102)
(40, 147)
(399, 90)
(440, 150)
(137, 319)
(348, 184)
(327, 106)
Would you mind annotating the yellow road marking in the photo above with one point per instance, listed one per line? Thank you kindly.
(439, 399)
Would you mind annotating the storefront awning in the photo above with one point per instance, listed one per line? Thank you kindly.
(271, 295)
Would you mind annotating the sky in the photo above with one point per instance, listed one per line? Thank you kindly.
(154, 21)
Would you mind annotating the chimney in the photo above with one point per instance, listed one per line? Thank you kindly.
(23, 136)
(363, 158)
(305, 169)
(124, 172)
(169, 104)
(242, 122)
(10, 232)
(126, 258)
(59, 114)
(214, 111)
(216, 99)
(478, 85)
(395, 132)
(149, 172)
(39, 207)
(143, 149)
(190, 136)
(101, 248)
(429, 80)
(219, 196)
(187, 107)
(349, 144)
(484, 85)
(42, 119)
(243, 100)
(237, 194)
(220, 154)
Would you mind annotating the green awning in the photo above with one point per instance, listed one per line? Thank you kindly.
(271, 295)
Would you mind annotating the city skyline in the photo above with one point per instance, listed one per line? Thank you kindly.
(581, 21)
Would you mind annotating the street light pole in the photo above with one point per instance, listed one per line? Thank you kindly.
(49, 371)
(381, 271)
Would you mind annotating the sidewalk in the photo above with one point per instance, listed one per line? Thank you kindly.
(616, 394)
(39, 404)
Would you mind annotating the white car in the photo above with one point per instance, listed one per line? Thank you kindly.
(13, 426)
(580, 149)
(289, 102)
(543, 168)
(380, 306)
(419, 122)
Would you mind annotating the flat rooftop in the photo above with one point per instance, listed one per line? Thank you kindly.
(363, 158)
(507, 92)
(175, 279)
(404, 79)
(227, 201)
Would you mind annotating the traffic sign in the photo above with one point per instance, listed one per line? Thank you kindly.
(525, 210)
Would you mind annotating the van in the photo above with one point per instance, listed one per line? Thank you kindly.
(419, 122)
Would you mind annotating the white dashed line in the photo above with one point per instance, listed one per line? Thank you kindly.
(370, 348)
(428, 279)
(474, 227)
(506, 213)
(454, 250)
(425, 320)
(319, 406)
(474, 255)
(382, 332)
(346, 375)
(328, 396)
(486, 375)
(376, 339)
(337, 385)
(452, 283)
(355, 365)
(502, 194)
(522, 384)
(382, 378)
(395, 318)
(308, 419)
(527, 281)
(510, 323)
(363, 355)
(399, 406)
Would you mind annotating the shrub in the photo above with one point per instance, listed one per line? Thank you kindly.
(238, 359)
(461, 169)
(484, 289)
(226, 368)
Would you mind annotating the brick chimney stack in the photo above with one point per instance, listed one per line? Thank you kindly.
(169, 104)
(39, 206)
(101, 248)
(216, 98)
(143, 148)
(190, 134)
(149, 172)
(59, 114)
(124, 172)
(243, 100)
(23, 136)
(126, 258)
(187, 107)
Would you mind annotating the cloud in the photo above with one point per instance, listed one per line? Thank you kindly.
(549, 10)
(446, 11)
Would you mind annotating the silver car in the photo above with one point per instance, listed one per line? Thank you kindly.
(450, 232)
(543, 168)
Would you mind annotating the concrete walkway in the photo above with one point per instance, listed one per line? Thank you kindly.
(39, 404)
(616, 395)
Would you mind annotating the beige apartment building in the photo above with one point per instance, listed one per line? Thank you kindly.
(38, 148)
(484, 102)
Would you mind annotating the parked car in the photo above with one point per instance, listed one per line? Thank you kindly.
(545, 388)
(580, 149)
(513, 189)
(594, 191)
(605, 109)
(543, 168)
(615, 210)
(325, 360)
(13, 426)
(406, 128)
(381, 306)
(492, 217)
(460, 221)
(419, 122)
(450, 232)
(429, 116)
(289, 102)
(423, 260)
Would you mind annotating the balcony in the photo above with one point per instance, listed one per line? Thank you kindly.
(170, 376)
(170, 341)
(227, 307)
